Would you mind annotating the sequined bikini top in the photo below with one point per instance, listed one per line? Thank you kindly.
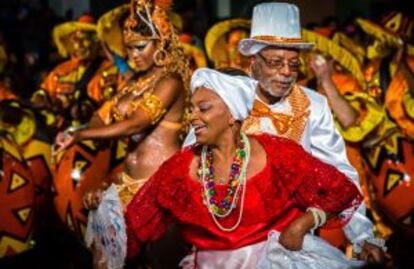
(137, 89)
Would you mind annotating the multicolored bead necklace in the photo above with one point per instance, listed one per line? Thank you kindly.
(221, 208)
(237, 183)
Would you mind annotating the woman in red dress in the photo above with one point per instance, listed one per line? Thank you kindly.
(228, 190)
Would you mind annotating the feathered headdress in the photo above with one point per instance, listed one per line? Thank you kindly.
(148, 20)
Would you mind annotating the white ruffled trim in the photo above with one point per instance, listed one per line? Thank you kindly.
(107, 230)
(315, 254)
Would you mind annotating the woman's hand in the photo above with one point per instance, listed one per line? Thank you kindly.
(92, 199)
(64, 140)
(292, 236)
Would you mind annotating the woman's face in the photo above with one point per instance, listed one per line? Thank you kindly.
(140, 54)
(209, 116)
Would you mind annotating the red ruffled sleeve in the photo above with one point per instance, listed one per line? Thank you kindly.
(311, 182)
(145, 219)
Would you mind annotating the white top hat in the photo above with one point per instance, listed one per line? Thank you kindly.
(274, 24)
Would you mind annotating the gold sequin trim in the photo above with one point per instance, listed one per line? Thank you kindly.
(289, 126)
(278, 39)
(151, 105)
(128, 188)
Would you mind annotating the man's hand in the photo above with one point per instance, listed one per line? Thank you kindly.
(373, 253)
(321, 67)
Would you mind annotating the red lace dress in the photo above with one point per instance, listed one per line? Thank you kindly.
(291, 181)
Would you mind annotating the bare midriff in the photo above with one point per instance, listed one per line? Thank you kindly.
(147, 151)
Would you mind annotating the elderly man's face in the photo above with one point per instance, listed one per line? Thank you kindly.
(276, 69)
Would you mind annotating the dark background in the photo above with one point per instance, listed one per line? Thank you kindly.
(26, 25)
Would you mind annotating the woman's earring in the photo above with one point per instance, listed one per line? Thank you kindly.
(160, 57)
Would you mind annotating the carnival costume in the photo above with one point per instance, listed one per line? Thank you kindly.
(303, 115)
(17, 192)
(72, 82)
(388, 149)
(170, 56)
(173, 63)
(221, 43)
(228, 224)
(25, 154)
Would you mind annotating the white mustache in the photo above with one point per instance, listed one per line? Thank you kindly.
(283, 79)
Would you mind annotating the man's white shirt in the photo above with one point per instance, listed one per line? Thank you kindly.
(321, 139)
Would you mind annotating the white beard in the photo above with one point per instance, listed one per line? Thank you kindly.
(264, 85)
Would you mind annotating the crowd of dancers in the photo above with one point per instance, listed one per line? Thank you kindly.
(293, 149)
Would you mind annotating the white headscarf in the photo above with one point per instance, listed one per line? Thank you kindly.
(237, 92)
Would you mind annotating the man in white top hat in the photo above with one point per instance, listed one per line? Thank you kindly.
(284, 108)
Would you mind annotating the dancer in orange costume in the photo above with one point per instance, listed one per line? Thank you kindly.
(221, 43)
(388, 150)
(150, 109)
(74, 87)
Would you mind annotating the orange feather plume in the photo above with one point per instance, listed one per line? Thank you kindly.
(164, 4)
